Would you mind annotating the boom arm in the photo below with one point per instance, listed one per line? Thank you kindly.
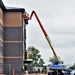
(46, 35)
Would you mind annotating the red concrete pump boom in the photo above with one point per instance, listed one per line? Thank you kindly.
(45, 34)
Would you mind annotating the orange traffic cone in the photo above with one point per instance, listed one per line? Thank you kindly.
(13, 72)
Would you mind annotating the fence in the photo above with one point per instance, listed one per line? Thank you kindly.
(5, 69)
(8, 68)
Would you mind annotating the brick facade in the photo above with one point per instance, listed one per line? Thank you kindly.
(12, 33)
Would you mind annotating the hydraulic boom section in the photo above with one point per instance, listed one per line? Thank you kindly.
(43, 30)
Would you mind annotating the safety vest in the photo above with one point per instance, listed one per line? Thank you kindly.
(23, 67)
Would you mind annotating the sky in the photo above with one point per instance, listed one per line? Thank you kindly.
(58, 19)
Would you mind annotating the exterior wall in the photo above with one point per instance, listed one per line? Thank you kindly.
(12, 19)
(1, 40)
(13, 40)
(12, 31)
(1, 16)
(12, 35)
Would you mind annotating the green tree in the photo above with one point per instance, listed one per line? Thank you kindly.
(52, 60)
(41, 62)
(72, 67)
(33, 53)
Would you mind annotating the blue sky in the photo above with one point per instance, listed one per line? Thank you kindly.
(58, 19)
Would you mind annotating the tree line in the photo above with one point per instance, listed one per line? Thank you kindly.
(34, 54)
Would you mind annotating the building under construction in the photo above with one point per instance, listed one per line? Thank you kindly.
(12, 38)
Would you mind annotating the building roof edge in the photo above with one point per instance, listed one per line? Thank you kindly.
(16, 10)
(10, 9)
(2, 5)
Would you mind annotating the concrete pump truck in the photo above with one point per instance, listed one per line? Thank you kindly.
(56, 67)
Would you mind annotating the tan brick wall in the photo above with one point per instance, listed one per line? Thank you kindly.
(12, 19)
(1, 40)
(1, 16)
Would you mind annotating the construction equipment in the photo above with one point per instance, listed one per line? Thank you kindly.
(26, 18)
(56, 65)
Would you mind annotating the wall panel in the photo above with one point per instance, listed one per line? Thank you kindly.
(1, 16)
(13, 49)
(12, 34)
(12, 19)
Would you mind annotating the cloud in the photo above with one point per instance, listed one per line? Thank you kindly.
(58, 19)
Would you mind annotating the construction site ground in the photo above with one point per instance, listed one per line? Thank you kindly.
(35, 74)
(29, 74)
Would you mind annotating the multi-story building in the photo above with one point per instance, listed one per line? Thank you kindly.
(12, 37)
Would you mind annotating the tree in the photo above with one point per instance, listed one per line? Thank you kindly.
(72, 67)
(33, 53)
(52, 60)
(41, 62)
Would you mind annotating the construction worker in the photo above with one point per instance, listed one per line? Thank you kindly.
(26, 17)
(23, 69)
